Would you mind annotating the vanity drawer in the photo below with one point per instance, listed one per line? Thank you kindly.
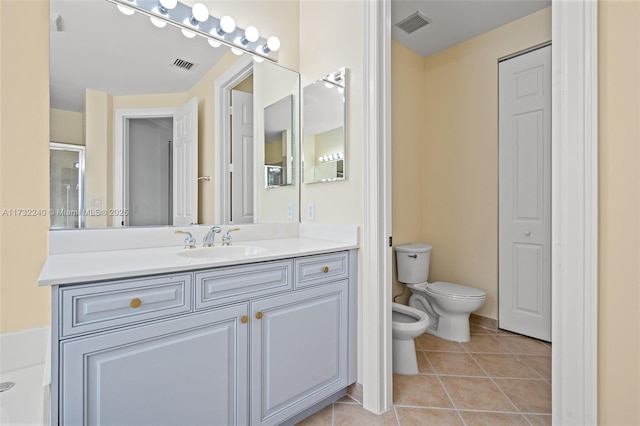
(93, 307)
(313, 270)
(236, 283)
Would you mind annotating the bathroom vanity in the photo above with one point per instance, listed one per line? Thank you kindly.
(261, 340)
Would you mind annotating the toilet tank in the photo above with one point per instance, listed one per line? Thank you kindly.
(413, 263)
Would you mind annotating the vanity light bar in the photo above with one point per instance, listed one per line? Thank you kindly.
(181, 16)
(331, 157)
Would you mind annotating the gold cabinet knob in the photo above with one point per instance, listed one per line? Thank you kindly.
(244, 319)
(135, 303)
(259, 315)
(325, 269)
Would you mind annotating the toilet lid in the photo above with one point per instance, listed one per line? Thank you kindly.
(454, 290)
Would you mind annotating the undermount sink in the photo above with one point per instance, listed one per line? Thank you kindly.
(222, 252)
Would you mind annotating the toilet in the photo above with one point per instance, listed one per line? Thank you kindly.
(447, 305)
(407, 323)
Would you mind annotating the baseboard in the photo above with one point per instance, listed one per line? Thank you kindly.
(485, 322)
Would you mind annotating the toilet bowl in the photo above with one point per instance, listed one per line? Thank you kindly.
(447, 305)
(407, 323)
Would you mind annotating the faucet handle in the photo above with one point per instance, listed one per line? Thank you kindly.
(189, 240)
(226, 238)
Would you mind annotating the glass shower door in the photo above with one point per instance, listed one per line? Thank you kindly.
(66, 185)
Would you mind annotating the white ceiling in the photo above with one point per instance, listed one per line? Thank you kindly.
(454, 21)
(100, 48)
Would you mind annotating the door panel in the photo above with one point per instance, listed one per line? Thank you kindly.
(299, 354)
(525, 194)
(242, 157)
(187, 371)
(185, 164)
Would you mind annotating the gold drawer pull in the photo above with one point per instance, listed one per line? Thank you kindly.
(259, 315)
(244, 319)
(325, 269)
(135, 303)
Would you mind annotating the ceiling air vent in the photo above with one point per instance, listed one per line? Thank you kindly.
(413, 22)
(181, 63)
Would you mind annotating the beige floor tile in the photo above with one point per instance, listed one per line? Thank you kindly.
(355, 392)
(505, 365)
(476, 329)
(454, 363)
(424, 367)
(485, 344)
(412, 416)
(539, 419)
(524, 345)
(541, 364)
(483, 418)
(355, 415)
(348, 400)
(419, 391)
(473, 393)
(428, 342)
(530, 396)
(323, 417)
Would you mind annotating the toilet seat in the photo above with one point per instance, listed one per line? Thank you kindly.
(456, 291)
(407, 318)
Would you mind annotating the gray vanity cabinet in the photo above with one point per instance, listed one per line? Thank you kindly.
(183, 371)
(256, 344)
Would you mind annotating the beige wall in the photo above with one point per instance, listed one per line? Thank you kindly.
(66, 126)
(24, 162)
(342, 46)
(97, 141)
(459, 156)
(619, 211)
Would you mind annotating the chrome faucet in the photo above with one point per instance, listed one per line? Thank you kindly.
(189, 240)
(226, 238)
(209, 239)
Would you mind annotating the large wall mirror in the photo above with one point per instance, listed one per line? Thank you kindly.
(324, 128)
(143, 103)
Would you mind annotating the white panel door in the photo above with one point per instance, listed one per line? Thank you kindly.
(525, 194)
(241, 157)
(185, 164)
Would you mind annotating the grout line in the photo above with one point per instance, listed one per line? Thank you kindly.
(333, 414)
(395, 412)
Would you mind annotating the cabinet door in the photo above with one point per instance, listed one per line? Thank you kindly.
(298, 351)
(184, 371)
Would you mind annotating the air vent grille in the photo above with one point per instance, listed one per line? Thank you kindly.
(181, 63)
(413, 22)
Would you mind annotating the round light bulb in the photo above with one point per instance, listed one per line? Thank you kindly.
(158, 22)
(328, 85)
(251, 34)
(236, 51)
(227, 24)
(126, 10)
(188, 34)
(273, 43)
(168, 4)
(200, 12)
(258, 59)
(214, 43)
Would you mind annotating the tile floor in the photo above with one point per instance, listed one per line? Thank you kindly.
(498, 378)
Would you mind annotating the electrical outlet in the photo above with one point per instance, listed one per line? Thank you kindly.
(311, 211)
(290, 211)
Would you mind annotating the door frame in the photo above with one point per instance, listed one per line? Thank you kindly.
(121, 159)
(574, 211)
(240, 70)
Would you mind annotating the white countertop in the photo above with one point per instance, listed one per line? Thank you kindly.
(72, 268)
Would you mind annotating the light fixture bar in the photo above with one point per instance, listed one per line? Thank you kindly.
(180, 17)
